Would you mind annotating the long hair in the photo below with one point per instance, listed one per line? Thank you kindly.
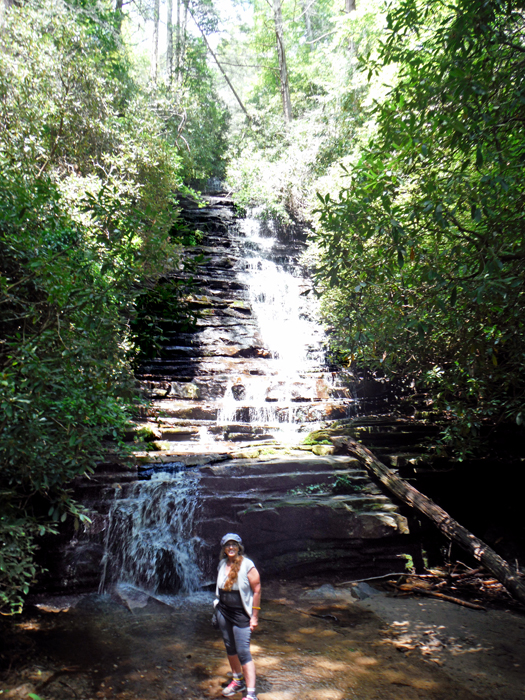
(234, 569)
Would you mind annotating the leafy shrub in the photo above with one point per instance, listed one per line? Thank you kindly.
(422, 258)
(87, 215)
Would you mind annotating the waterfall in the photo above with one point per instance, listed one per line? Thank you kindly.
(149, 537)
(279, 298)
(251, 371)
(286, 315)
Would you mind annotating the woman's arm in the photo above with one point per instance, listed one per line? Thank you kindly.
(255, 583)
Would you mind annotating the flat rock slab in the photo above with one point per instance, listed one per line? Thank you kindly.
(284, 506)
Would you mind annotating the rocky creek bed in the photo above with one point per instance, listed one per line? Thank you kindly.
(315, 642)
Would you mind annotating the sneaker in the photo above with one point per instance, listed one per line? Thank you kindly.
(250, 697)
(234, 687)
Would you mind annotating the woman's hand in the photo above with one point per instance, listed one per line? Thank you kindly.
(254, 622)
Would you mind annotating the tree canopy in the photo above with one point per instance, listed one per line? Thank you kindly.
(422, 264)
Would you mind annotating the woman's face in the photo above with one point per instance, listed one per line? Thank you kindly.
(231, 548)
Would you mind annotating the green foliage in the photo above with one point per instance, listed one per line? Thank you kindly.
(316, 439)
(276, 166)
(344, 484)
(422, 254)
(158, 308)
(310, 490)
(62, 370)
(196, 121)
(145, 434)
(88, 224)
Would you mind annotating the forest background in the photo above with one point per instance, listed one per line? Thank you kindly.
(394, 132)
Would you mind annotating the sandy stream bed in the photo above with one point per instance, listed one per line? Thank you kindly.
(318, 644)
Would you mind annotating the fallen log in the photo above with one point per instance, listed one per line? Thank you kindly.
(450, 527)
(442, 596)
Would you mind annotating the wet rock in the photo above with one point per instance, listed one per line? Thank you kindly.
(85, 558)
(242, 307)
(179, 432)
(239, 392)
(131, 597)
(192, 411)
(329, 592)
(249, 437)
(362, 590)
(96, 604)
(185, 390)
(322, 390)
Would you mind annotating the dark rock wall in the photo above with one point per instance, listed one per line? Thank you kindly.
(286, 507)
(226, 354)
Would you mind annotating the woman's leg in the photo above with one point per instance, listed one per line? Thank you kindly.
(228, 635)
(235, 664)
(242, 644)
(249, 674)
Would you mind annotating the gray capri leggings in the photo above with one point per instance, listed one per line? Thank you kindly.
(236, 639)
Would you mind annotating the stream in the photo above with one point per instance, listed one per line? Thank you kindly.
(304, 648)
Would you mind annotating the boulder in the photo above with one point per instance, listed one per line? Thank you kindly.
(185, 390)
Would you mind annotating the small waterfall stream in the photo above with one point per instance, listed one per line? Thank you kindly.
(149, 541)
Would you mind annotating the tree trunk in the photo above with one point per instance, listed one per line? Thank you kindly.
(169, 41)
(350, 7)
(155, 56)
(283, 71)
(119, 15)
(182, 46)
(178, 42)
(219, 65)
(307, 21)
(452, 529)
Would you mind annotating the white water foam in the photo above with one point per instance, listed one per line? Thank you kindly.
(149, 541)
(289, 327)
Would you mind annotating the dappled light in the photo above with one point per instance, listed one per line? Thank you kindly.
(174, 652)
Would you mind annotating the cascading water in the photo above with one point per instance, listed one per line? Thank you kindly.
(286, 317)
(149, 538)
(149, 542)
(250, 370)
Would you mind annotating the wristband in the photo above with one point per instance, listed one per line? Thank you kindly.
(254, 608)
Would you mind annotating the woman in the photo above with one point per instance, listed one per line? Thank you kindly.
(239, 601)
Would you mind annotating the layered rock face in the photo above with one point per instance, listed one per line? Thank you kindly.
(255, 364)
(294, 521)
(300, 514)
(251, 374)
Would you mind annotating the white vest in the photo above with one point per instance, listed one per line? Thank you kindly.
(242, 580)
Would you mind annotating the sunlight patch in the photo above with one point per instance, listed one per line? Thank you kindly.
(325, 694)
